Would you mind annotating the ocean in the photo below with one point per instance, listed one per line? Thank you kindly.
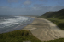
(10, 23)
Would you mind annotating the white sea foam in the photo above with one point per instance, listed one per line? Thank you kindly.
(12, 21)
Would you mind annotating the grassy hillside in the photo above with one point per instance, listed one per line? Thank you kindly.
(59, 14)
(56, 17)
(18, 36)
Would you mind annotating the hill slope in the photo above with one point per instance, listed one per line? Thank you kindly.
(58, 14)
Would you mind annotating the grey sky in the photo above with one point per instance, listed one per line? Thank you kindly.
(29, 7)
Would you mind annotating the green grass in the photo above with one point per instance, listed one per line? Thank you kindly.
(18, 36)
(58, 22)
(57, 40)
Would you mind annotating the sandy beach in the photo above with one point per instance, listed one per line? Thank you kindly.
(44, 30)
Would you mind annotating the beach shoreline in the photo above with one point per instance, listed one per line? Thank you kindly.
(44, 29)
(16, 27)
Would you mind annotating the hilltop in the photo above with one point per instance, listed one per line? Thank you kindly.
(57, 14)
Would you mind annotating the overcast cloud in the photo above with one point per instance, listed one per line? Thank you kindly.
(29, 11)
(27, 2)
(29, 7)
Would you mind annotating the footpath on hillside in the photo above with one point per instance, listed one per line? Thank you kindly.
(44, 30)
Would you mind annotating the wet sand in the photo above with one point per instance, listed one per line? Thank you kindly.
(44, 29)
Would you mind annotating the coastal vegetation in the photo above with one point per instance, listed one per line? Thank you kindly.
(57, 40)
(55, 17)
(58, 14)
(18, 36)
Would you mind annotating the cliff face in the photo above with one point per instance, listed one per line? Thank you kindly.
(58, 14)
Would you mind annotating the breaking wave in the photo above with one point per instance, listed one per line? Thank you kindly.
(13, 22)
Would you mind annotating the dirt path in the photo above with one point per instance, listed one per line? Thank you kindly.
(44, 29)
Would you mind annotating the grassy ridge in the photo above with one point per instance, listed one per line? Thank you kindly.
(18, 36)
(59, 14)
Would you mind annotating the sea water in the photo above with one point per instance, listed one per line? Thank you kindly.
(10, 23)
